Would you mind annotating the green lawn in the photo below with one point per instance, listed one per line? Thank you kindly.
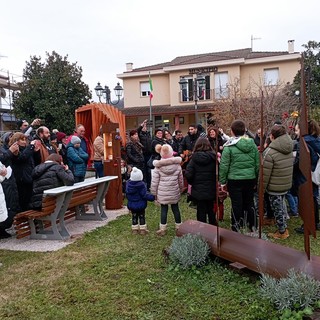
(111, 274)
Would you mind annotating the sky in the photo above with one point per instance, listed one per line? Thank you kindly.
(101, 36)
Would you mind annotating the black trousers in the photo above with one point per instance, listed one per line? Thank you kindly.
(205, 210)
(241, 194)
(138, 217)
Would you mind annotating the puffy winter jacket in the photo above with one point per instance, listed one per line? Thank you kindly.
(201, 174)
(278, 165)
(167, 180)
(239, 160)
(137, 195)
(134, 152)
(48, 175)
(77, 160)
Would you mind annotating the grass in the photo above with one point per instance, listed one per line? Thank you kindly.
(111, 274)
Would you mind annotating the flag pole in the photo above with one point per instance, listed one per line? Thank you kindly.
(150, 106)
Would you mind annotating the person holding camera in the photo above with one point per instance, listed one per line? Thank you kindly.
(146, 140)
(29, 130)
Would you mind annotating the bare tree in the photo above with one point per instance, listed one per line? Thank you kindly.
(279, 104)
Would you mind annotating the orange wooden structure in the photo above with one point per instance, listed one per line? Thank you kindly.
(93, 116)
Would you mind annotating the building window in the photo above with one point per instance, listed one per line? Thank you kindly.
(144, 89)
(203, 94)
(221, 85)
(187, 94)
(271, 76)
(158, 122)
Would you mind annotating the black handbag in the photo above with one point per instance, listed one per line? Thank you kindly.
(150, 162)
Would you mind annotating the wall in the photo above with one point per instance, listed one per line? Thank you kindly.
(132, 96)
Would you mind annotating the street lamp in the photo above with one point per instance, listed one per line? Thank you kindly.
(105, 93)
(199, 85)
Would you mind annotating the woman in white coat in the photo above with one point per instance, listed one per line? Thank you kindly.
(3, 206)
(167, 185)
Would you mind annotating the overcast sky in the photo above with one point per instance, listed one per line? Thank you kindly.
(102, 35)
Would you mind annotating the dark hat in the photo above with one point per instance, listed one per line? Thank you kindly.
(20, 122)
(53, 136)
(60, 135)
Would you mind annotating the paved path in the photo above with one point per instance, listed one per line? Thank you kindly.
(75, 227)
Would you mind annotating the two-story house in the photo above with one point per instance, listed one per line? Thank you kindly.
(187, 88)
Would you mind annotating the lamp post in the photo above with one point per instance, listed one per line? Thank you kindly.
(198, 87)
(105, 93)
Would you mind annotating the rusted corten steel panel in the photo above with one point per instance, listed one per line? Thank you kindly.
(255, 254)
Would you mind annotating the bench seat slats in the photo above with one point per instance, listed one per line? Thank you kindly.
(79, 197)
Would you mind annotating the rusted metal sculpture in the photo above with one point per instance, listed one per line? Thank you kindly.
(306, 205)
(252, 253)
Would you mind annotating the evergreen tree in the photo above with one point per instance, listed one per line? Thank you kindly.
(51, 91)
(312, 74)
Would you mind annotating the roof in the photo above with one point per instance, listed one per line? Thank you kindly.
(165, 109)
(7, 117)
(246, 53)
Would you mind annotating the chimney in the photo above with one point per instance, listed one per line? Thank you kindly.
(129, 66)
(290, 46)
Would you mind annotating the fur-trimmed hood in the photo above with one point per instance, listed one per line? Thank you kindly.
(167, 165)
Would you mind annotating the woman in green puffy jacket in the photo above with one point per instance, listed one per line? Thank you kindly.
(238, 173)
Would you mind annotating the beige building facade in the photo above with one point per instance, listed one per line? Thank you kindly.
(227, 74)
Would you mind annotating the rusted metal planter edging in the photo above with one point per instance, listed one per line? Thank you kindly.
(255, 254)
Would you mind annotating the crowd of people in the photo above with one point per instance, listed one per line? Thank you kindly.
(33, 159)
(172, 164)
(206, 164)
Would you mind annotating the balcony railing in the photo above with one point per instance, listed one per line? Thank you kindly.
(208, 95)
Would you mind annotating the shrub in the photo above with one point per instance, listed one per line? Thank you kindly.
(189, 250)
(297, 291)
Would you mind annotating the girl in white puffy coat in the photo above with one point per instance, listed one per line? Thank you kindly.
(167, 185)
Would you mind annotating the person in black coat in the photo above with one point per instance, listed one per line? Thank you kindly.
(157, 139)
(145, 140)
(177, 140)
(50, 174)
(134, 151)
(201, 174)
(22, 166)
(214, 138)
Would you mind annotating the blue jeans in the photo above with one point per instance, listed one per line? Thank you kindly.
(292, 202)
(98, 165)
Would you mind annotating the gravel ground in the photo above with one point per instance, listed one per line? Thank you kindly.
(75, 227)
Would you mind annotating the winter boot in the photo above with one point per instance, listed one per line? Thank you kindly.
(135, 229)
(144, 230)
(163, 230)
(177, 226)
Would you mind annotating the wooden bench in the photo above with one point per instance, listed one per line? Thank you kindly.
(60, 204)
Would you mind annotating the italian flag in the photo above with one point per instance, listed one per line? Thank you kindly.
(151, 87)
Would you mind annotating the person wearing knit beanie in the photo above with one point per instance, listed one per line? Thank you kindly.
(60, 136)
(136, 174)
(77, 159)
(75, 140)
(137, 195)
